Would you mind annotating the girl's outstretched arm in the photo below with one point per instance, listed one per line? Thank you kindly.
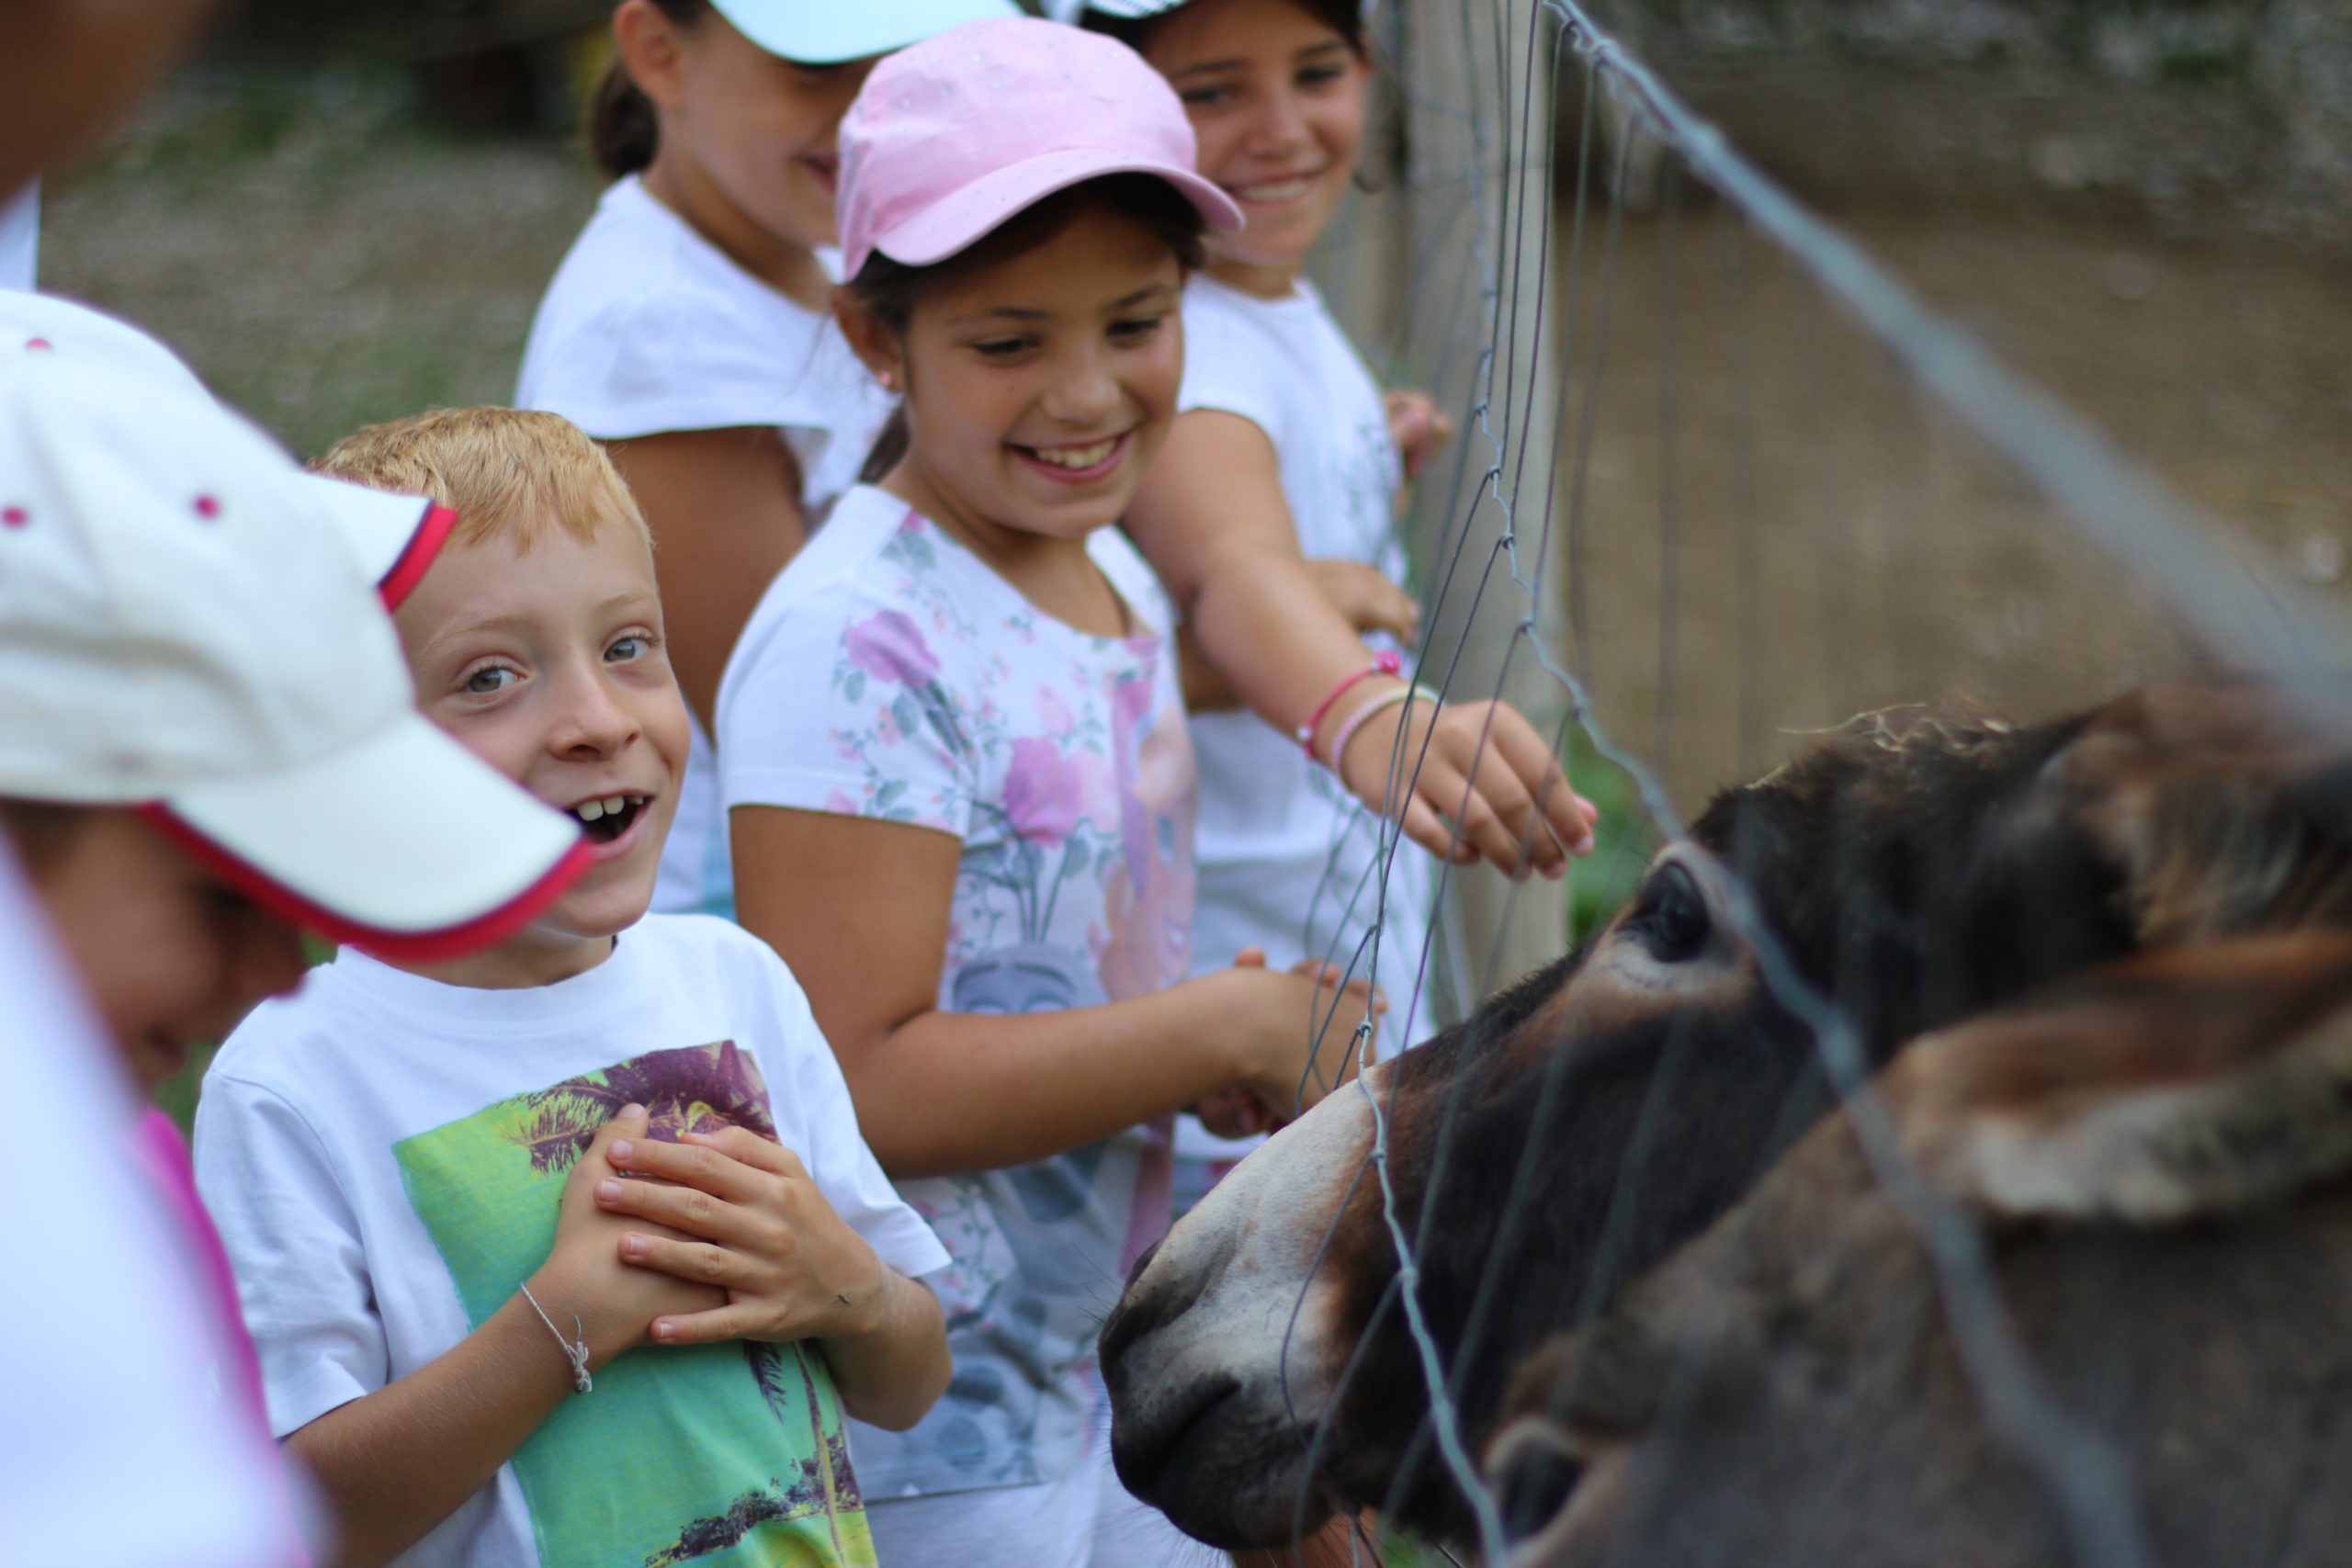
(726, 506)
(1212, 519)
(859, 909)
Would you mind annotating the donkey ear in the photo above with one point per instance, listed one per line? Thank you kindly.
(2223, 806)
(2198, 1082)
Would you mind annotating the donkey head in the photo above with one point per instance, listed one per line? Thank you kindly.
(1584, 1123)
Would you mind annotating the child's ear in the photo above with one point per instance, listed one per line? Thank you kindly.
(872, 339)
(650, 50)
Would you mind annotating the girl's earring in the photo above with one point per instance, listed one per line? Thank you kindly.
(889, 379)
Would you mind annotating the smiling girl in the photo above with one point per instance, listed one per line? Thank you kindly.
(1286, 446)
(689, 326)
(961, 785)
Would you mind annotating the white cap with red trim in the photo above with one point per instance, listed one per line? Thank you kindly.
(394, 537)
(182, 631)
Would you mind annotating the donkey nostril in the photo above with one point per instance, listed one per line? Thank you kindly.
(1534, 1474)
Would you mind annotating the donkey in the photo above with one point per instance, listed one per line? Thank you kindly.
(1584, 1123)
(2159, 1156)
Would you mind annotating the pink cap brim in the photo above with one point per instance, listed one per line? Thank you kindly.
(959, 218)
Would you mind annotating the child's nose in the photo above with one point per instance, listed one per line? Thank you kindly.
(1087, 395)
(1279, 127)
(595, 719)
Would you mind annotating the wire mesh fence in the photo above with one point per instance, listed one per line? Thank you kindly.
(1722, 483)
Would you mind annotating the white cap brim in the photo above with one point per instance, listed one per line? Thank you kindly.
(964, 215)
(830, 33)
(394, 537)
(406, 845)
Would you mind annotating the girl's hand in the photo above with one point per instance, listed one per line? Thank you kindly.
(1291, 1058)
(1487, 785)
(755, 1226)
(1366, 597)
(1417, 427)
(1241, 1112)
(585, 1276)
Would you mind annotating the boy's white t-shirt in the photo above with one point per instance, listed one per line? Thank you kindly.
(890, 674)
(649, 328)
(1289, 859)
(384, 1154)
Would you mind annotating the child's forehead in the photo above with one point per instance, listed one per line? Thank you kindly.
(552, 578)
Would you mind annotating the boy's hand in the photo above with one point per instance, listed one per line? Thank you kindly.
(1487, 786)
(1366, 597)
(756, 1227)
(583, 1275)
(1417, 427)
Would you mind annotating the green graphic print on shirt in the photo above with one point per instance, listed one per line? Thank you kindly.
(730, 1455)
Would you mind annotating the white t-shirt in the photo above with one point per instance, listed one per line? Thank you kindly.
(1289, 859)
(650, 328)
(117, 1447)
(384, 1154)
(20, 239)
(889, 673)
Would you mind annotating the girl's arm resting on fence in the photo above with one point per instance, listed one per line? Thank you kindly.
(726, 506)
(859, 909)
(1212, 519)
(396, 1463)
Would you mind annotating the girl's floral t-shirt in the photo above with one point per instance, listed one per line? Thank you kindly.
(891, 673)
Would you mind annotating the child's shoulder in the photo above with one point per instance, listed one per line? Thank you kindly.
(716, 959)
(319, 1043)
(874, 557)
(647, 316)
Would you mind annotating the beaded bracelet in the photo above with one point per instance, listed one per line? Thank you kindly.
(1387, 663)
(1380, 704)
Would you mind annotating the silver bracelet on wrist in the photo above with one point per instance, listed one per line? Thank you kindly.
(574, 1350)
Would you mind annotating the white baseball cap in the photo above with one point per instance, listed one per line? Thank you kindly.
(185, 629)
(394, 538)
(825, 32)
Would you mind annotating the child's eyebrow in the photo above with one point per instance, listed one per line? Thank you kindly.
(1205, 67)
(1022, 313)
(1214, 67)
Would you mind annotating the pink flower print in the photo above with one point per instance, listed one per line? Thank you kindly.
(889, 646)
(841, 802)
(1042, 792)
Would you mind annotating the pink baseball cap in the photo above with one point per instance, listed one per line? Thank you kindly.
(951, 136)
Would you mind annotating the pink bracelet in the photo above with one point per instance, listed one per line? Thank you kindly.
(1380, 704)
(1381, 664)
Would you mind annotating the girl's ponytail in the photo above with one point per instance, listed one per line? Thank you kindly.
(623, 130)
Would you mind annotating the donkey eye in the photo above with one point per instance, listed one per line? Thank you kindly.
(1673, 915)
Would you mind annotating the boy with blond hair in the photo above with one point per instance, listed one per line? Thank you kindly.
(569, 1251)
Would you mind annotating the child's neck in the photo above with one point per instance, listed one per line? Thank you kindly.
(1264, 282)
(536, 957)
(1054, 574)
(792, 270)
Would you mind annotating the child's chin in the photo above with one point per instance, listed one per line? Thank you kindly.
(602, 911)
